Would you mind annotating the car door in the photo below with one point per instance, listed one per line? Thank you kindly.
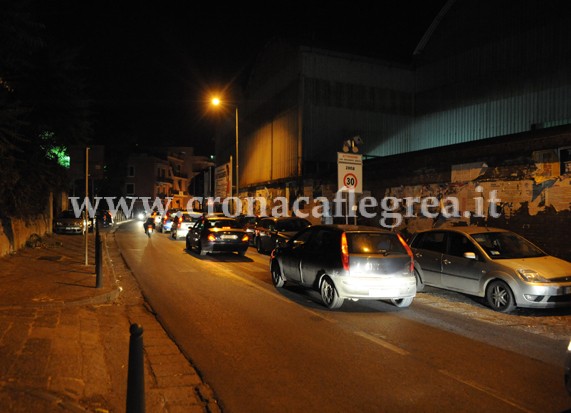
(293, 254)
(459, 272)
(264, 236)
(321, 253)
(428, 248)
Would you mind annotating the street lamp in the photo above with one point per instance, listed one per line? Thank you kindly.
(216, 102)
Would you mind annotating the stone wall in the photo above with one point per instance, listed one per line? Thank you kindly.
(530, 173)
(15, 232)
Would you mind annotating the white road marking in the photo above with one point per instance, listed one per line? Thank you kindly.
(382, 343)
(486, 390)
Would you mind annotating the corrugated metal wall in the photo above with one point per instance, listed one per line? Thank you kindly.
(345, 96)
(270, 152)
(509, 86)
(501, 87)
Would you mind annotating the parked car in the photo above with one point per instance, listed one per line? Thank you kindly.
(217, 234)
(271, 232)
(499, 265)
(165, 224)
(347, 262)
(568, 369)
(185, 221)
(249, 223)
(67, 223)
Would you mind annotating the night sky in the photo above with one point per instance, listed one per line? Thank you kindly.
(149, 66)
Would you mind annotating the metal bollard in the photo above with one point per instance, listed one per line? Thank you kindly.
(98, 259)
(136, 374)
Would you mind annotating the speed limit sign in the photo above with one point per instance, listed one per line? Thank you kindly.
(350, 172)
(350, 181)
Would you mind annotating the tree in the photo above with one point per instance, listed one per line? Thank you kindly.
(42, 107)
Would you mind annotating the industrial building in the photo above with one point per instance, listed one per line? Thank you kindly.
(483, 102)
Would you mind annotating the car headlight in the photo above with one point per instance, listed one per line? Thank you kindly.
(531, 276)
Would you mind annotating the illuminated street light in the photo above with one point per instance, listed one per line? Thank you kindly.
(216, 102)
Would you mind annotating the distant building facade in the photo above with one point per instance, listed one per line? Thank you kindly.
(163, 172)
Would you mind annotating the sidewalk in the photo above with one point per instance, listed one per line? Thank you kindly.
(64, 344)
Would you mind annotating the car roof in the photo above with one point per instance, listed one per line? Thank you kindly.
(276, 219)
(468, 229)
(353, 228)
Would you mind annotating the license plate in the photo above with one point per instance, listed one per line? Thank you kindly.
(378, 292)
(228, 236)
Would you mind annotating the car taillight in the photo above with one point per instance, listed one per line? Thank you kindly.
(211, 237)
(408, 251)
(245, 238)
(344, 252)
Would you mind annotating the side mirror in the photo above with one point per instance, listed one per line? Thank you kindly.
(470, 255)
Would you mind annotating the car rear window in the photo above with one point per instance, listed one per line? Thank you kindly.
(292, 225)
(374, 243)
(224, 223)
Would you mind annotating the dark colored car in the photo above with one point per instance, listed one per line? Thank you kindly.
(272, 232)
(217, 234)
(498, 265)
(347, 262)
(249, 223)
(67, 223)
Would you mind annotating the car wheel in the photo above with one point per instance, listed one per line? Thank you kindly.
(188, 246)
(329, 294)
(259, 246)
(277, 278)
(419, 283)
(500, 297)
(402, 302)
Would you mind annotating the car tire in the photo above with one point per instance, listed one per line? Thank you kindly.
(277, 278)
(259, 246)
(329, 294)
(188, 246)
(499, 297)
(419, 283)
(402, 302)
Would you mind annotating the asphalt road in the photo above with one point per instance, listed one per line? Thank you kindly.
(265, 350)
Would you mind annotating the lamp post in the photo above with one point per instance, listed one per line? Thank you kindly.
(216, 102)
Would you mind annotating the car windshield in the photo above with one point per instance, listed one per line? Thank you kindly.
(374, 243)
(506, 245)
(292, 225)
(223, 223)
(67, 214)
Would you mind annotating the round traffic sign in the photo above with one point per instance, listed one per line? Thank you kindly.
(350, 180)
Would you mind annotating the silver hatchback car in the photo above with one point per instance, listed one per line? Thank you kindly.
(347, 262)
(505, 268)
